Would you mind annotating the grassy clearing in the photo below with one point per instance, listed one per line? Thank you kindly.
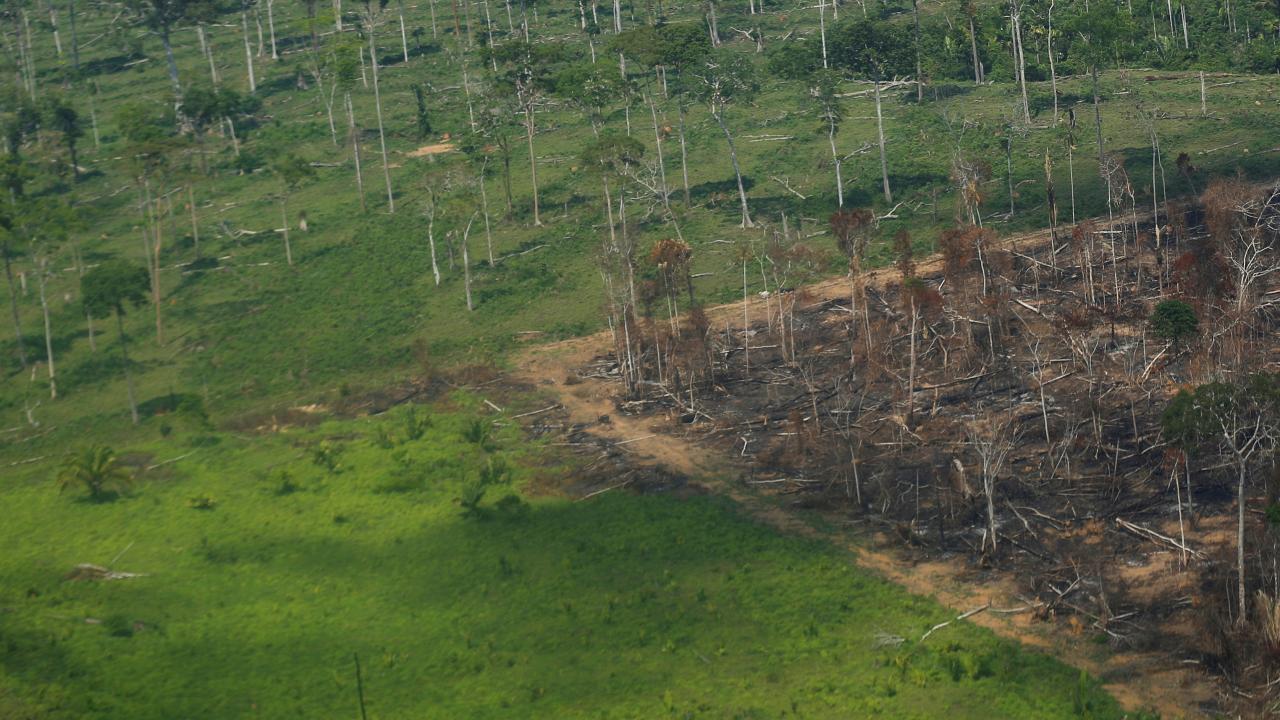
(617, 607)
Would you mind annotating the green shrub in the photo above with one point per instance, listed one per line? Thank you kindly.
(1174, 320)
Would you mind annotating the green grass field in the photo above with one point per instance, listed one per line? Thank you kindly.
(620, 606)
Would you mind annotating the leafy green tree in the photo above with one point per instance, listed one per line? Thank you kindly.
(1237, 421)
(610, 156)
(1098, 35)
(590, 87)
(527, 71)
(723, 79)
(292, 171)
(160, 18)
(877, 51)
(1174, 320)
(7, 252)
(107, 290)
(96, 468)
(61, 116)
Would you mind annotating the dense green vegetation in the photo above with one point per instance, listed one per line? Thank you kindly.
(268, 562)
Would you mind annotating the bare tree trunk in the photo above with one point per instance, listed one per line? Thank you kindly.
(205, 48)
(835, 159)
(355, 149)
(248, 53)
(1016, 22)
(466, 263)
(973, 47)
(684, 159)
(404, 38)
(822, 30)
(1240, 500)
(662, 167)
(284, 217)
(195, 227)
(915, 14)
(43, 267)
(377, 103)
(271, 27)
(533, 160)
(337, 15)
(484, 206)
(718, 114)
(431, 239)
(1053, 73)
(1097, 111)
(884, 163)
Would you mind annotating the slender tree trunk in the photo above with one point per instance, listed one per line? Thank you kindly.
(533, 161)
(75, 39)
(271, 28)
(835, 159)
(13, 306)
(171, 64)
(195, 227)
(884, 162)
(1240, 501)
(684, 159)
(1016, 22)
(404, 38)
(43, 268)
(1097, 111)
(431, 241)
(284, 217)
(355, 149)
(248, 53)
(662, 167)
(337, 15)
(382, 136)
(484, 206)
(466, 263)
(128, 376)
(157, 224)
(915, 14)
(1053, 73)
(205, 48)
(822, 30)
(718, 114)
(1204, 110)
(973, 47)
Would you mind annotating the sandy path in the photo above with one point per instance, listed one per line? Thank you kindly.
(1138, 680)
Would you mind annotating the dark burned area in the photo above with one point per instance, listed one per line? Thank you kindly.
(1026, 379)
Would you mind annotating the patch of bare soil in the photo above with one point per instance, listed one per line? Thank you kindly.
(434, 149)
(1092, 559)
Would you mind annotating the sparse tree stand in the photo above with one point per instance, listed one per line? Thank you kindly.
(1241, 421)
(106, 290)
(372, 11)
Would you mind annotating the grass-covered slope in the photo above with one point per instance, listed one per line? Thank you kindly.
(616, 607)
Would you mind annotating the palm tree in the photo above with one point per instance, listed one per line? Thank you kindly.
(96, 468)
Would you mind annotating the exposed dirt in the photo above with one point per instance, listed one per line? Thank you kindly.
(1158, 679)
(434, 149)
